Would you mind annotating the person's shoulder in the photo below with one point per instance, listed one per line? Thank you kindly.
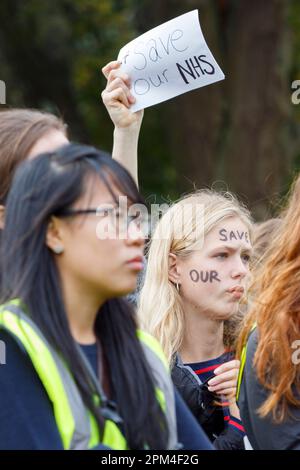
(26, 412)
(11, 343)
(252, 340)
(13, 355)
(149, 342)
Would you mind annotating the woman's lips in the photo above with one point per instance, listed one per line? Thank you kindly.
(236, 292)
(136, 263)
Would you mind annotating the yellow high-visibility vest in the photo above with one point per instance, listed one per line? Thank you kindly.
(76, 424)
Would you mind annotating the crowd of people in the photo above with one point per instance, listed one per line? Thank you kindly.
(183, 337)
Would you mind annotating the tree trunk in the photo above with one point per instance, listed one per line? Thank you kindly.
(256, 161)
(234, 130)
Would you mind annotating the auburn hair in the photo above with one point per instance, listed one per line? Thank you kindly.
(276, 311)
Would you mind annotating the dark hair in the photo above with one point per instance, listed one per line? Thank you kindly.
(20, 129)
(45, 186)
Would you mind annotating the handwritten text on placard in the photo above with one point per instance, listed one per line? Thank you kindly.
(169, 60)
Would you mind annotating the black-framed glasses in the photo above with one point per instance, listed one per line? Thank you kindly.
(117, 218)
(96, 211)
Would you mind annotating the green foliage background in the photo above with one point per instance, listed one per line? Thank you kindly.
(51, 54)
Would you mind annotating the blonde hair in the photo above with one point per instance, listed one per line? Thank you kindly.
(160, 309)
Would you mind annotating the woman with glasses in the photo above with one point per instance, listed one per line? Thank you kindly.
(24, 134)
(61, 303)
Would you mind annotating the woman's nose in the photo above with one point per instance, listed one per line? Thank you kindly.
(240, 270)
(135, 235)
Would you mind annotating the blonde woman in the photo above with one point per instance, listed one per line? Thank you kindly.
(197, 270)
(194, 282)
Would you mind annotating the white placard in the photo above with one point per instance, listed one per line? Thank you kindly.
(169, 60)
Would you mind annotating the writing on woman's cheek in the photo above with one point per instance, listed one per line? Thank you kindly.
(204, 276)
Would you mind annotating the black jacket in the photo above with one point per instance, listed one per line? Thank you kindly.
(202, 404)
(264, 433)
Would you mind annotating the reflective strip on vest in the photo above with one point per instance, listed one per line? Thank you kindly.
(242, 366)
(76, 425)
(153, 344)
(164, 385)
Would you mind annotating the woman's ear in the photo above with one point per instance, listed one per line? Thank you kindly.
(2, 216)
(54, 236)
(174, 271)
